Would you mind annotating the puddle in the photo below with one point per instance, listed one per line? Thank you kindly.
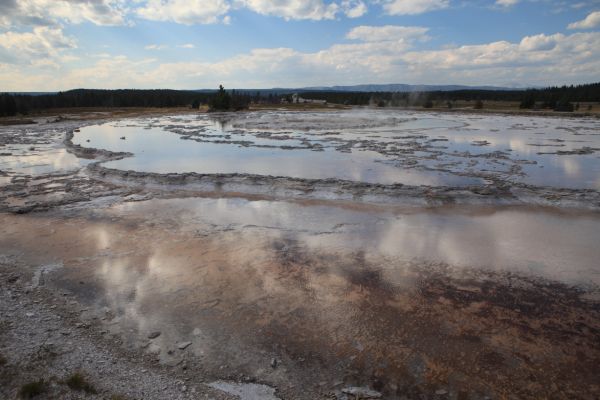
(42, 160)
(160, 151)
(361, 145)
(334, 294)
(532, 241)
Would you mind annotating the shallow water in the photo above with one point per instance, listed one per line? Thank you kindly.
(160, 151)
(39, 161)
(314, 285)
(361, 145)
(553, 245)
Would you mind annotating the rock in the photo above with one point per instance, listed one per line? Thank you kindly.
(183, 345)
(362, 392)
(441, 392)
(154, 335)
(273, 363)
(196, 332)
(154, 349)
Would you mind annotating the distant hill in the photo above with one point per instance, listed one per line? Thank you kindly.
(370, 88)
(401, 87)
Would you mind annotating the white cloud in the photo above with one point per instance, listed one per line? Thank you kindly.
(187, 12)
(186, 46)
(388, 33)
(155, 47)
(506, 3)
(534, 60)
(409, 7)
(49, 12)
(591, 21)
(544, 57)
(354, 8)
(216, 11)
(540, 42)
(293, 9)
(44, 46)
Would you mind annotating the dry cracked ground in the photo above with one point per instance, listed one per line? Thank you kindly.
(302, 255)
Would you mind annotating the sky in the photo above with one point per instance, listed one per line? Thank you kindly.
(51, 45)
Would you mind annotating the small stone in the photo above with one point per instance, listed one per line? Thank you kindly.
(183, 345)
(154, 335)
(273, 363)
(196, 332)
(441, 392)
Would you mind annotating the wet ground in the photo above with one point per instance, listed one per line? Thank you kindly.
(365, 146)
(410, 255)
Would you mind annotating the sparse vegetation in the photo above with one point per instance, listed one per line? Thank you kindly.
(32, 389)
(564, 105)
(528, 101)
(223, 101)
(78, 382)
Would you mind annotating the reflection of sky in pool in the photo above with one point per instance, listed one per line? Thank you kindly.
(159, 151)
(439, 148)
(553, 245)
(41, 160)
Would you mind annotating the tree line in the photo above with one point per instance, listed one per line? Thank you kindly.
(559, 98)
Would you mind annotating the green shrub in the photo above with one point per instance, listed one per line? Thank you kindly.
(78, 382)
(32, 389)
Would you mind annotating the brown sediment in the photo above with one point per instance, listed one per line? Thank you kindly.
(401, 327)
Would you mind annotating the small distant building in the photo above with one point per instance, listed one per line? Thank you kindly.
(297, 99)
